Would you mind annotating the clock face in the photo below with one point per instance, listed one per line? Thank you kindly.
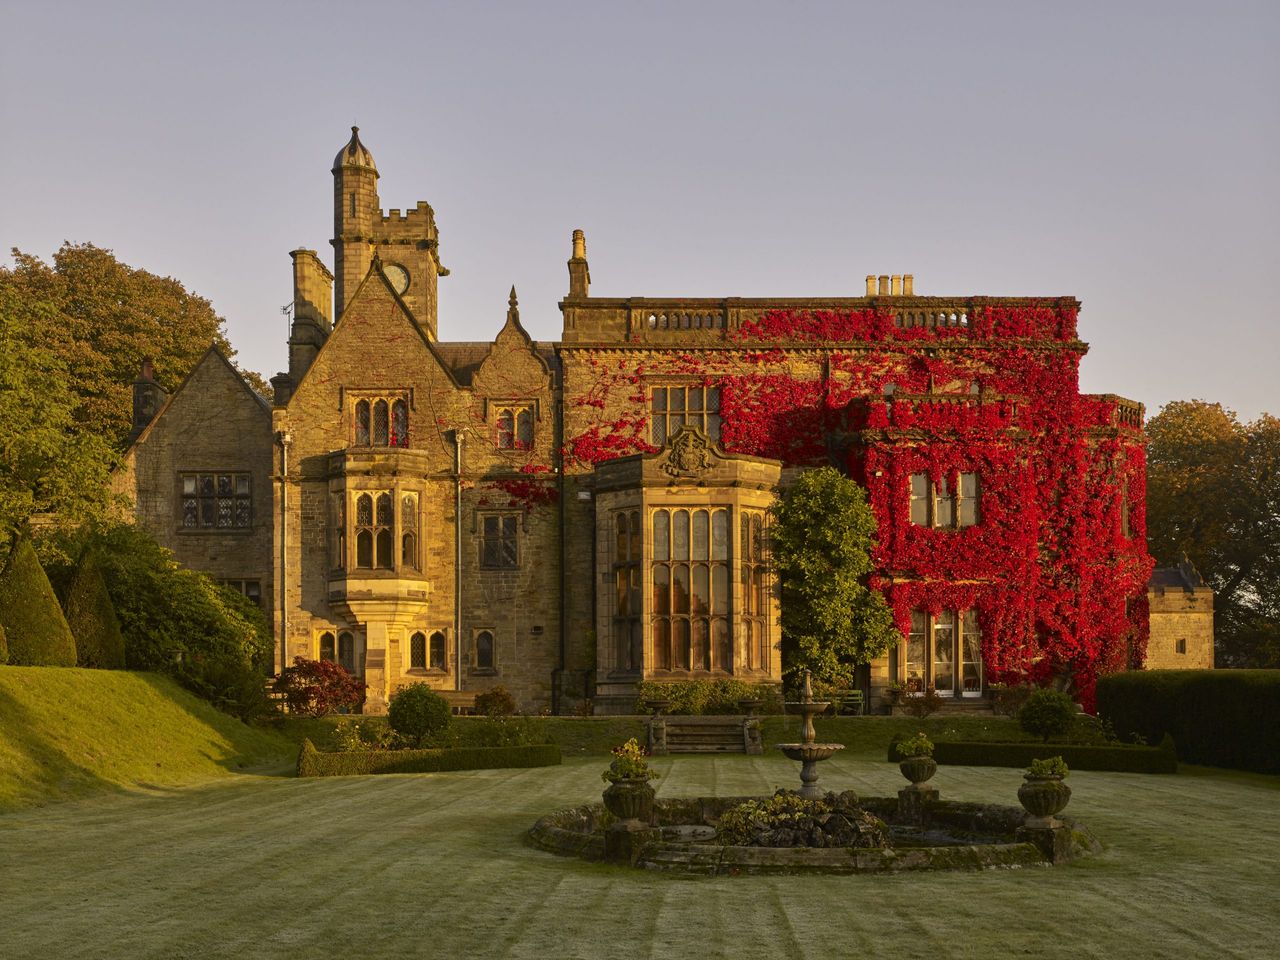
(398, 276)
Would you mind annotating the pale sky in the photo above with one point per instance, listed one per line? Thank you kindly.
(1123, 153)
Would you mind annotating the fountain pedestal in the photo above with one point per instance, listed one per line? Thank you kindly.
(806, 751)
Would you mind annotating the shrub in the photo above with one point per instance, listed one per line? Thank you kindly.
(313, 763)
(352, 733)
(921, 705)
(211, 639)
(1047, 713)
(917, 746)
(1007, 698)
(1052, 767)
(4, 646)
(630, 762)
(92, 618)
(489, 732)
(36, 630)
(739, 825)
(315, 688)
(1225, 718)
(710, 697)
(417, 712)
(496, 702)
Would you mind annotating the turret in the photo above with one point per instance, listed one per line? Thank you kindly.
(355, 211)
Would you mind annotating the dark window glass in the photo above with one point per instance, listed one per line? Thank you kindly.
(327, 648)
(417, 652)
(399, 424)
(437, 661)
(381, 427)
(484, 650)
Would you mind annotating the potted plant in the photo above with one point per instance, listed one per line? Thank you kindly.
(1043, 794)
(917, 763)
(629, 796)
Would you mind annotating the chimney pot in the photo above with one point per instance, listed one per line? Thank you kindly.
(884, 285)
(871, 284)
(908, 285)
(897, 285)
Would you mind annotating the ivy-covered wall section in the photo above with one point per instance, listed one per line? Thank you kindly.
(1057, 566)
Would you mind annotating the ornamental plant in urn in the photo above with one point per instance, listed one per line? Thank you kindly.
(917, 763)
(629, 796)
(1043, 794)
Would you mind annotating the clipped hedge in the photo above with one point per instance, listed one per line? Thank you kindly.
(347, 763)
(1078, 756)
(1221, 718)
(37, 631)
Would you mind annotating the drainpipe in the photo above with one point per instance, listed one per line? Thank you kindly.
(457, 560)
(284, 438)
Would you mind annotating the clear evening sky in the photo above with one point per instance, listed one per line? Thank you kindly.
(1123, 153)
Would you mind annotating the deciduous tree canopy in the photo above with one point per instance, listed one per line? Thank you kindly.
(100, 318)
(1213, 494)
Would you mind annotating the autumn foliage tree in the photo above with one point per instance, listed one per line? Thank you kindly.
(1213, 495)
(99, 318)
(315, 688)
(821, 535)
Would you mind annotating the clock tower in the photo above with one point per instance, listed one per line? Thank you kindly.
(408, 243)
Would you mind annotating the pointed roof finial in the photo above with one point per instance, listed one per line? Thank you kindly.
(354, 154)
(513, 310)
(511, 300)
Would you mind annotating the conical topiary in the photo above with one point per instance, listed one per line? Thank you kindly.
(37, 631)
(92, 618)
(4, 647)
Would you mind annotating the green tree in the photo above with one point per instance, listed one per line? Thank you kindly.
(101, 318)
(822, 534)
(92, 617)
(37, 631)
(1213, 495)
(416, 712)
(49, 467)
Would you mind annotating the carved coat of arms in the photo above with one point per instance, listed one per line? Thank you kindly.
(690, 454)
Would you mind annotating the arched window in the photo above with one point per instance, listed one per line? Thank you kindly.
(347, 652)
(327, 648)
(409, 524)
(484, 650)
(399, 424)
(506, 430)
(381, 428)
(362, 423)
(418, 652)
(364, 530)
(436, 660)
(524, 429)
(385, 519)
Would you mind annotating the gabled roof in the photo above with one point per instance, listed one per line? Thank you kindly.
(164, 407)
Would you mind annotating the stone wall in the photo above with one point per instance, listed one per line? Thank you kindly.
(1181, 621)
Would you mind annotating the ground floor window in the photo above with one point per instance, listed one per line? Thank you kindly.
(943, 651)
(426, 653)
(249, 588)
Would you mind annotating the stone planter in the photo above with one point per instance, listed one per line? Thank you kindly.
(918, 769)
(659, 705)
(1043, 797)
(630, 798)
(750, 705)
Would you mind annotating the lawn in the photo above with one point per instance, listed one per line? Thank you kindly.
(432, 866)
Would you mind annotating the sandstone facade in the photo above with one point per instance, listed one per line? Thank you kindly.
(565, 519)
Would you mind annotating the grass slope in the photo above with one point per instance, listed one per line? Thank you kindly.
(433, 865)
(69, 732)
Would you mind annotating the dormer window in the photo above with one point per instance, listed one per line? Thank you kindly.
(381, 421)
(514, 426)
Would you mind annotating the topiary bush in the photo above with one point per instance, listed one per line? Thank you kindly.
(4, 647)
(496, 702)
(92, 618)
(417, 712)
(1047, 713)
(36, 630)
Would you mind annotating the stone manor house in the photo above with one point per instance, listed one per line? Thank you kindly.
(566, 518)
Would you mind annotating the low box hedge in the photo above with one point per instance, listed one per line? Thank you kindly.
(346, 763)
(1222, 718)
(1078, 756)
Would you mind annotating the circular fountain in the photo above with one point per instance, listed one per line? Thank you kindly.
(806, 751)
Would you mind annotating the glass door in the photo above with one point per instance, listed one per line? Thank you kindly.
(944, 647)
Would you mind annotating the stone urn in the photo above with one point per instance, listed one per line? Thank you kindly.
(659, 705)
(1043, 797)
(749, 705)
(918, 769)
(630, 798)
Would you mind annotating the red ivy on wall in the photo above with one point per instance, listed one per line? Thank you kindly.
(1057, 584)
